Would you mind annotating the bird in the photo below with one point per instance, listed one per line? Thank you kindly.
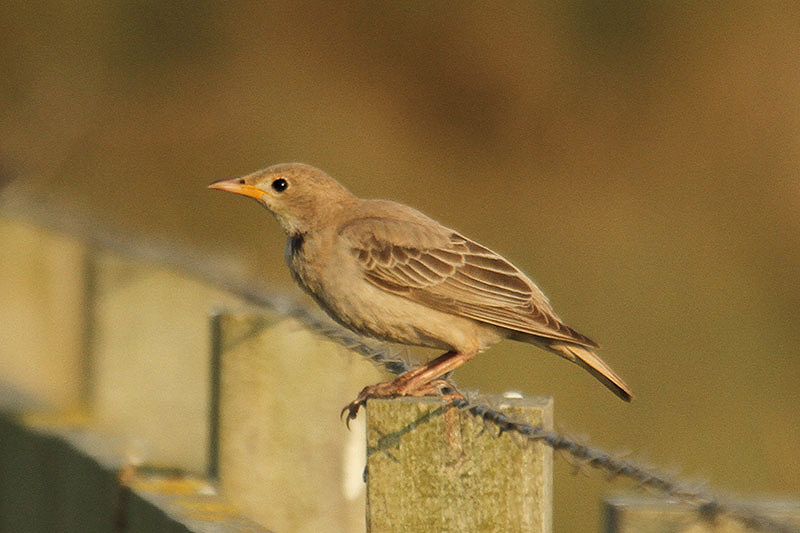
(387, 271)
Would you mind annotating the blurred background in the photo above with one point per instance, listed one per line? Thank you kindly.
(640, 161)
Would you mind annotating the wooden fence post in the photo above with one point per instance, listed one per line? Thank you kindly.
(149, 359)
(42, 317)
(433, 468)
(284, 456)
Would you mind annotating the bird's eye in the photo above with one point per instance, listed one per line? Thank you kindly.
(240, 181)
(280, 185)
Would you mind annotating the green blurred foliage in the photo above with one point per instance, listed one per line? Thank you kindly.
(639, 160)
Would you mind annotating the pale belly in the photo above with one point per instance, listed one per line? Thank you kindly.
(362, 307)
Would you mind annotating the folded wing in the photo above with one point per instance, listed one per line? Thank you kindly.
(448, 272)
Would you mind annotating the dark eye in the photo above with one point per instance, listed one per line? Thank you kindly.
(241, 181)
(280, 184)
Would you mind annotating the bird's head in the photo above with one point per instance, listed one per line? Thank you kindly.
(300, 196)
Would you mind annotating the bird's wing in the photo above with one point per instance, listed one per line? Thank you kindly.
(432, 265)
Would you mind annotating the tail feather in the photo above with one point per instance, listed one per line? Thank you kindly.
(589, 360)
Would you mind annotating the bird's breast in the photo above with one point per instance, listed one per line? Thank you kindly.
(331, 274)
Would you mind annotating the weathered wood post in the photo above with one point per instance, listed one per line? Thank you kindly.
(42, 318)
(433, 468)
(149, 359)
(284, 457)
(101, 355)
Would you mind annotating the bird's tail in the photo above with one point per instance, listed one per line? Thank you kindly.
(596, 367)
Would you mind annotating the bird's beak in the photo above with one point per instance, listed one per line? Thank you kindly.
(235, 185)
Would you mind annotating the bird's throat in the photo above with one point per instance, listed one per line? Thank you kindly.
(296, 241)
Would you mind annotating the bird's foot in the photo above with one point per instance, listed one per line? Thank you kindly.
(385, 389)
(397, 388)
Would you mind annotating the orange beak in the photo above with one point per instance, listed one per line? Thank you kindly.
(237, 186)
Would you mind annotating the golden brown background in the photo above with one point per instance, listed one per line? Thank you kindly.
(639, 160)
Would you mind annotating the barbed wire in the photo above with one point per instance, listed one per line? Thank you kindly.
(231, 278)
(706, 505)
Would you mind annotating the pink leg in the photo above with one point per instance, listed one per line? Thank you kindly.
(421, 381)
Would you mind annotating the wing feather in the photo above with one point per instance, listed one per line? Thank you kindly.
(448, 272)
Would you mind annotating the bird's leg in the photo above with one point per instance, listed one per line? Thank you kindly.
(424, 380)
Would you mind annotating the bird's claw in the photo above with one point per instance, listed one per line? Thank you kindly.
(393, 389)
(352, 411)
(379, 390)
